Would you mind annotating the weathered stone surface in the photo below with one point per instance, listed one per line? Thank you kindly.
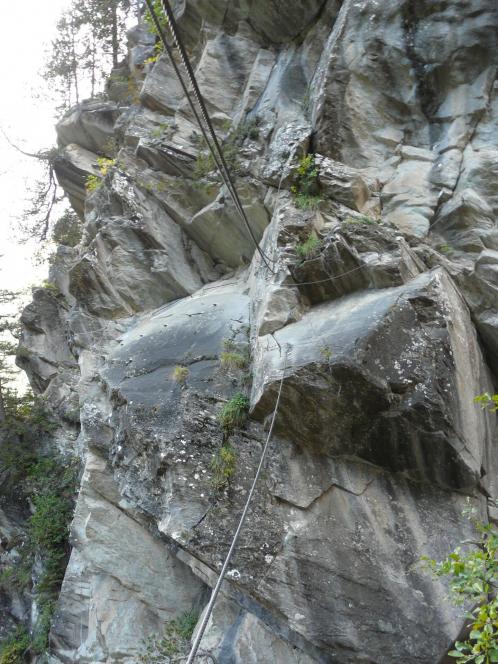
(378, 443)
(161, 90)
(343, 184)
(403, 348)
(481, 291)
(235, 635)
(91, 126)
(121, 584)
(73, 166)
(138, 259)
(44, 344)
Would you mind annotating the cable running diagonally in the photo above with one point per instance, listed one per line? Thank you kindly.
(216, 589)
(213, 144)
(200, 100)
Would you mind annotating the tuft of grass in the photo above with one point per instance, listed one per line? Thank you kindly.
(326, 353)
(174, 642)
(223, 467)
(180, 374)
(362, 219)
(306, 201)
(50, 286)
(234, 412)
(13, 648)
(233, 360)
(445, 249)
(309, 247)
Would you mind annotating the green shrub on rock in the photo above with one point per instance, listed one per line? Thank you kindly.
(234, 412)
(305, 188)
(175, 642)
(472, 572)
(13, 649)
(223, 466)
(309, 248)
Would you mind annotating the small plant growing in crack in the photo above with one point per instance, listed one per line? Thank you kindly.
(223, 466)
(362, 219)
(174, 644)
(180, 374)
(234, 413)
(231, 357)
(309, 248)
(326, 353)
(487, 401)
(305, 188)
(445, 249)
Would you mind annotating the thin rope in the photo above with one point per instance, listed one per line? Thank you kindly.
(200, 100)
(215, 151)
(216, 589)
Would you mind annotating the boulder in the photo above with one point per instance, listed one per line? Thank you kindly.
(388, 382)
(91, 126)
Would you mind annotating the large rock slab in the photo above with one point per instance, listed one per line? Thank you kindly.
(139, 257)
(72, 166)
(385, 376)
(108, 603)
(91, 126)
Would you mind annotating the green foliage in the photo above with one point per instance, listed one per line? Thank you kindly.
(180, 374)
(234, 412)
(48, 483)
(223, 466)
(233, 360)
(67, 229)
(489, 401)
(39, 643)
(50, 286)
(231, 357)
(23, 351)
(158, 10)
(309, 247)
(13, 649)
(473, 577)
(305, 188)
(174, 643)
(160, 130)
(204, 164)
(361, 219)
(306, 201)
(326, 353)
(445, 249)
(25, 414)
(94, 182)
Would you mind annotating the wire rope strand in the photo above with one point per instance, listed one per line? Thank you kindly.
(216, 589)
(197, 93)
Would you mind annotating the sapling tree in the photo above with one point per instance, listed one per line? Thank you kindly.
(472, 572)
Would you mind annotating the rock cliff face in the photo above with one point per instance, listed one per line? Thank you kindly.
(378, 444)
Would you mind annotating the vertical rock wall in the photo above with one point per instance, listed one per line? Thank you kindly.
(378, 445)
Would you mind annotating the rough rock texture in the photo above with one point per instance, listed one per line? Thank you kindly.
(383, 330)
